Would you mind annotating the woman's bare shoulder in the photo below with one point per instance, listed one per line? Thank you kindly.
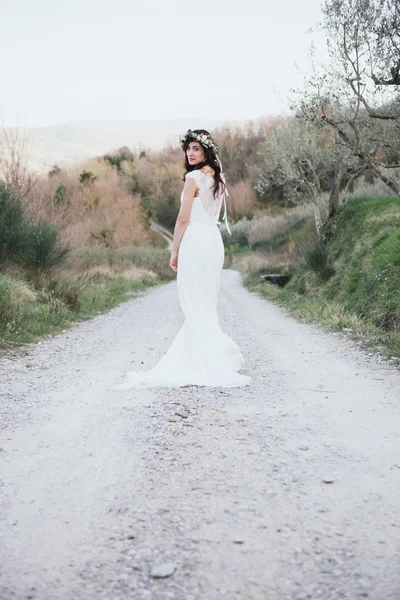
(208, 170)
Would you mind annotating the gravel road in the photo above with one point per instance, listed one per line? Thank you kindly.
(284, 489)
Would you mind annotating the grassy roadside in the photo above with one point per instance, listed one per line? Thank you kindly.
(334, 316)
(351, 285)
(33, 305)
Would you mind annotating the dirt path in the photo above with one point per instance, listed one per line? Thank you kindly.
(167, 235)
(98, 487)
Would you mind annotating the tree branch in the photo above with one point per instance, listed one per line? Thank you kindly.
(395, 79)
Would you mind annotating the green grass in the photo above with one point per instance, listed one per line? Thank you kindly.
(361, 291)
(365, 252)
(237, 249)
(107, 293)
(24, 315)
(32, 308)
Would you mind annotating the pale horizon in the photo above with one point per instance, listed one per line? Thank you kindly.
(158, 61)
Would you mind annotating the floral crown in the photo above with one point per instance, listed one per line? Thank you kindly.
(204, 139)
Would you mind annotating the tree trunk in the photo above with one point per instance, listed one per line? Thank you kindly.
(317, 218)
(390, 182)
(334, 196)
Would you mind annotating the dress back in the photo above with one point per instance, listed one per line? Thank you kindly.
(205, 207)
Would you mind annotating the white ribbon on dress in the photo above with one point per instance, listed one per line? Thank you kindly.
(226, 193)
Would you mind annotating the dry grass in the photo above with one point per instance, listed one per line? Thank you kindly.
(257, 260)
(20, 291)
(131, 274)
(122, 259)
(265, 227)
(362, 188)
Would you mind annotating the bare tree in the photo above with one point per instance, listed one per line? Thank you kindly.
(15, 153)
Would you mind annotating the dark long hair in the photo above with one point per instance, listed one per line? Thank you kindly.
(210, 159)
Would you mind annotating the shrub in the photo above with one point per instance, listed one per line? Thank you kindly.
(317, 259)
(240, 233)
(87, 177)
(67, 290)
(55, 171)
(166, 212)
(35, 245)
(117, 158)
(12, 222)
(41, 248)
(61, 195)
(146, 204)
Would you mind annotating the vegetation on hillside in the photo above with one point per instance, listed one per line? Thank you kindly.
(352, 282)
(75, 243)
(34, 303)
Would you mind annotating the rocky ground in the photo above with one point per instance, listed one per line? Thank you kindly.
(284, 489)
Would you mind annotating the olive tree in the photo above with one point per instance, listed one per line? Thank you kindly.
(346, 99)
(300, 159)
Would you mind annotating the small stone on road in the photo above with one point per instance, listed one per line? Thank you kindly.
(165, 570)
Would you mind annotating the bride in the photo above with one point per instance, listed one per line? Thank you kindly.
(200, 354)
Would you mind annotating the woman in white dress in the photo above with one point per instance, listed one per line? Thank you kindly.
(201, 354)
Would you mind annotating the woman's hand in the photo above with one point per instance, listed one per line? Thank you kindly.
(173, 263)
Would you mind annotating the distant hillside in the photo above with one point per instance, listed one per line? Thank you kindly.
(68, 143)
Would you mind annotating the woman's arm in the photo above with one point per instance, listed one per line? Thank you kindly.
(182, 220)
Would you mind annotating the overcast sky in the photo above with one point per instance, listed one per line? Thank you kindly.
(73, 60)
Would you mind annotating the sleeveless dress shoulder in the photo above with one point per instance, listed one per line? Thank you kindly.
(211, 205)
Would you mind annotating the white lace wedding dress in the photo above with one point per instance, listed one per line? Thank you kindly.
(200, 354)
